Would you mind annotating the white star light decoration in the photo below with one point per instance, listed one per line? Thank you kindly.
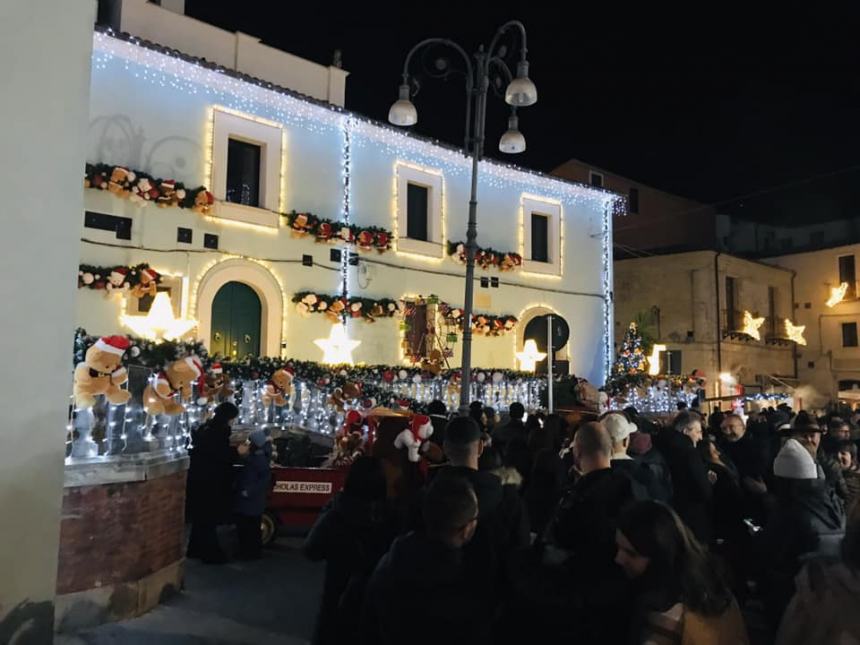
(837, 294)
(530, 356)
(159, 323)
(654, 360)
(751, 325)
(337, 348)
(795, 332)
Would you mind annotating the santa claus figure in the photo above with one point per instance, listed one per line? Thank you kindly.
(117, 278)
(419, 430)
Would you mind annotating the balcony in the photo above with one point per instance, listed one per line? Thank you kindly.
(770, 329)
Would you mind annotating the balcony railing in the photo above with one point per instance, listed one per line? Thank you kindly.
(771, 329)
(113, 432)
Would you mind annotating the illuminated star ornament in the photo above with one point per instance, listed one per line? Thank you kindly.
(159, 323)
(530, 356)
(337, 348)
(751, 325)
(654, 360)
(795, 332)
(837, 294)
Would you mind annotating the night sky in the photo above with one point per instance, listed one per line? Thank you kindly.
(713, 107)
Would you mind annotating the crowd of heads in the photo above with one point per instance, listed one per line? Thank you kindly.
(685, 520)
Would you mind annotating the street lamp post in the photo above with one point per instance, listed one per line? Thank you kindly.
(520, 92)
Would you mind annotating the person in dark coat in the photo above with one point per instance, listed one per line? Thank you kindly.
(351, 534)
(691, 485)
(504, 520)
(585, 521)
(750, 457)
(808, 520)
(210, 483)
(513, 429)
(425, 589)
(546, 484)
(646, 455)
(585, 526)
(252, 488)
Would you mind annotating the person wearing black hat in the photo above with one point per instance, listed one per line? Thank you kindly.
(438, 414)
(808, 433)
(210, 481)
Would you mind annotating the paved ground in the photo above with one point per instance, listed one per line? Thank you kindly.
(270, 601)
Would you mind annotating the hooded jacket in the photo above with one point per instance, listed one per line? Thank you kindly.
(808, 521)
(254, 481)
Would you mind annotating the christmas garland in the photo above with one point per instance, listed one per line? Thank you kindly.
(337, 308)
(142, 188)
(487, 258)
(365, 238)
(145, 353)
(140, 278)
(373, 379)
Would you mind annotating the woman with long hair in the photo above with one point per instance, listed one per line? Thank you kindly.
(680, 595)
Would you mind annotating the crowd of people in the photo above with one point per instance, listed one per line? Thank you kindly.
(624, 529)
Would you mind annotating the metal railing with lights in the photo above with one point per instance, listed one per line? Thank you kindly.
(109, 432)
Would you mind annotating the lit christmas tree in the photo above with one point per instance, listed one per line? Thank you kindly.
(631, 357)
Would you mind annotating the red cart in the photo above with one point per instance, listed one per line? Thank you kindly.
(297, 496)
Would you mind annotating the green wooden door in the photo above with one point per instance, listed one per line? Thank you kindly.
(236, 327)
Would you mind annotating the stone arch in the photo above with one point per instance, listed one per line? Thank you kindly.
(264, 284)
(531, 313)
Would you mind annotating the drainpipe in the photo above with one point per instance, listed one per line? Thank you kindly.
(719, 326)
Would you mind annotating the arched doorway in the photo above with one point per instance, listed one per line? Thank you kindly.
(236, 318)
(537, 329)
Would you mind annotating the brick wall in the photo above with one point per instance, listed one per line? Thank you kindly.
(115, 533)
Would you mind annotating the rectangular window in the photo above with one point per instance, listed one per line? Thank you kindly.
(670, 362)
(849, 334)
(847, 274)
(243, 172)
(540, 238)
(633, 200)
(595, 178)
(416, 212)
(731, 314)
(104, 222)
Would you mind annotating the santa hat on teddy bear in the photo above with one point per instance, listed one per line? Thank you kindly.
(148, 274)
(420, 428)
(216, 368)
(113, 344)
(117, 276)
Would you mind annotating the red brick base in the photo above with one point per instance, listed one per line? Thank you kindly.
(118, 533)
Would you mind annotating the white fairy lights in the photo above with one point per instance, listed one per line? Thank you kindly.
(268, 104)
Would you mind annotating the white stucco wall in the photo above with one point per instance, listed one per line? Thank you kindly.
(45, 84)
(145, 116)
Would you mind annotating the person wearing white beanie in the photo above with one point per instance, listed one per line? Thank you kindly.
(794, 462)
(807, 521)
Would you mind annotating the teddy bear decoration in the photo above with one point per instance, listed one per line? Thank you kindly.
(102, 373)
(218, 385)
(419, 430)
(278, 389)
(177, 378)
